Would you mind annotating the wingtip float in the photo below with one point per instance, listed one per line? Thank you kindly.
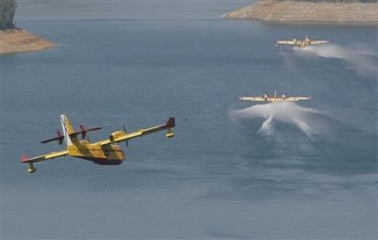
(103, 152)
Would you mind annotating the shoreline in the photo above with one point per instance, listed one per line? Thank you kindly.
(16, 40)
(291, 11)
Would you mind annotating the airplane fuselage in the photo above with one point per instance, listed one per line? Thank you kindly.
(302, 44)
(105, 155)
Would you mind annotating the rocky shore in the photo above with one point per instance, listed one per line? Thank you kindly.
(291, 11)
(19, 40)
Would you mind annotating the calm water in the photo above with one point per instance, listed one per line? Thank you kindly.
(234, 170)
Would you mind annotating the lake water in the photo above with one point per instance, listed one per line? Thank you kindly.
(234, 170)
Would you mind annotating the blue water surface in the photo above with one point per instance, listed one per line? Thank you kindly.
(234, 170)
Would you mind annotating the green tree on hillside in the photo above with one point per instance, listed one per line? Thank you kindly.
(7, 11)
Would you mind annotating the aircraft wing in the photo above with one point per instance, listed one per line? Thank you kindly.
(31, 161)
(314, 42)
(296, 99)
(254, 99)
(48, 156)
(288, 42)
(120, 136)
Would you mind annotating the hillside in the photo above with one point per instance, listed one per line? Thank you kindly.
(356, 12)
(18, 40)
(13, 39)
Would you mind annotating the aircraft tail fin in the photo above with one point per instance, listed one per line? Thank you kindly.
(67, 129)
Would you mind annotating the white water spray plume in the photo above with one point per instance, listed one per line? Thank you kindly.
(360, 58)
(285, 112)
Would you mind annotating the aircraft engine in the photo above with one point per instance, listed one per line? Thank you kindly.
(115, 135)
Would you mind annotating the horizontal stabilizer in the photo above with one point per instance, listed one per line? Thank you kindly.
(83, 131)
(59, 138)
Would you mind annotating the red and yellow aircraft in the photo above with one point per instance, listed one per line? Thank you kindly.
(301, 43)
(104, 152)
(274, 98)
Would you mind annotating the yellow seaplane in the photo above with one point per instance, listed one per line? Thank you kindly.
(274, 98)
(301, 43)
(104, 152)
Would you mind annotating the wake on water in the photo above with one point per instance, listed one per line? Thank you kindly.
(285, 131)
(284, 112)
(360, 58)
(280, 130)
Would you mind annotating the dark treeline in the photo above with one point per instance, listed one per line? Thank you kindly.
(7, 11)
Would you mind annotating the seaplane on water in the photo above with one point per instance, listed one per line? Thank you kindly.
(301, 43)
(103, 152)
(275, 98)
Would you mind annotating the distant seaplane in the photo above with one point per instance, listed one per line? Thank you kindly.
(275, 98)
(301, 43)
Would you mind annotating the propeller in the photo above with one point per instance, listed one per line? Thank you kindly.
(125, 130)
(84, 132)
